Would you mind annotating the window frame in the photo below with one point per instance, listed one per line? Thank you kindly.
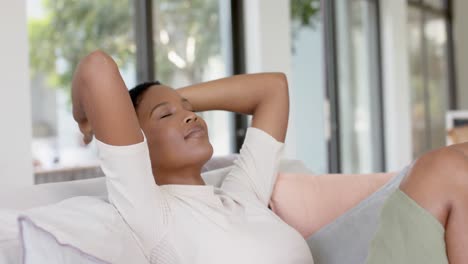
(334, 143)
(446, 12)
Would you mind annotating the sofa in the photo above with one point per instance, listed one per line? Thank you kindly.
(337, 214)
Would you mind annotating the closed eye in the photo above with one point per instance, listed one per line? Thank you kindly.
(164, 116)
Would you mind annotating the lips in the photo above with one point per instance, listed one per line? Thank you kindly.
(195, 132)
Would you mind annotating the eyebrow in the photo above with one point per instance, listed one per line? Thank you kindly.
(184, 100)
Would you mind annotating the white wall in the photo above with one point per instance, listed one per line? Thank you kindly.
(461, 50)
(267, 30)
(397, 94)
(15, 106)
(268, 46)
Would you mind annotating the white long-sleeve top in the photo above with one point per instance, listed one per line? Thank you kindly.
(178, 224)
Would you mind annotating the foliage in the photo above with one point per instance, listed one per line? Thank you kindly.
(70, 29)
(184, 20)
(305, 11)
(73, 28)
(304, 14)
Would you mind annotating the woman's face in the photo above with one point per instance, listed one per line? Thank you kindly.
(177, 138)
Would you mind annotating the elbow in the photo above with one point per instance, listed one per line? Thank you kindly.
(94, 64)
(96, 61)
(281, 85)
(280, 82)
(282, 77)
(97, 57)
(277, 91)
(89, 69)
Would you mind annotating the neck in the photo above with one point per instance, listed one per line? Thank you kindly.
(185, 176)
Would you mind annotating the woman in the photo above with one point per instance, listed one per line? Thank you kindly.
(153, 178)
(178, 219)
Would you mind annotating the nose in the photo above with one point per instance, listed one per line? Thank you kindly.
(192, 117)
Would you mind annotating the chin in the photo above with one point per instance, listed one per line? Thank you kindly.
(211, 153)
(208, 152)
(200, 154)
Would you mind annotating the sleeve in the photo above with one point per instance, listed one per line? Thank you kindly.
(133, 191)
(255, 171)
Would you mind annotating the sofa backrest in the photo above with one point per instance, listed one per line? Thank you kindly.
(43, 194)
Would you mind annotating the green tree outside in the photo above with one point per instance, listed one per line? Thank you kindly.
(71, 29)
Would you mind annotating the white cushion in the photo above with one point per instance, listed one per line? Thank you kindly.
(81, 228)
(40, 246)
(10, 249)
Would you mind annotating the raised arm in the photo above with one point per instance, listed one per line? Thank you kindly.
(101, 103)
(264, 95)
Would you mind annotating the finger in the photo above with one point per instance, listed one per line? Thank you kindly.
(86, 130)
(87, 138)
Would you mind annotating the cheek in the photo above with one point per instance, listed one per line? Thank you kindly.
(167, 139)
(168, 145)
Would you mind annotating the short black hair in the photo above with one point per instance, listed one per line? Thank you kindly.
(137, 91)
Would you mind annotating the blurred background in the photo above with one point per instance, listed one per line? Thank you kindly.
(373, 83)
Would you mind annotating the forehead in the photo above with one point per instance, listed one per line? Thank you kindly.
(155, 95)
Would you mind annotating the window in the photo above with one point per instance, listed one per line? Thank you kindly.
(429, 76)
(192, 43)
(337, 86)
(60, 33)
(358, 86)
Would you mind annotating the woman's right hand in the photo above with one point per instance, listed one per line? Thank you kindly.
(87, 131)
